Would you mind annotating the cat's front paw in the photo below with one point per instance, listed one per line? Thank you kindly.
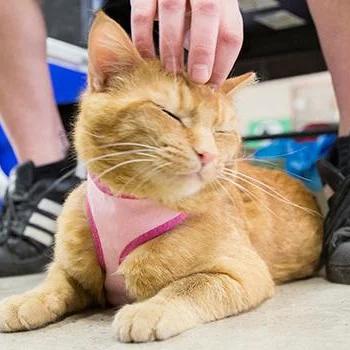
(149, 321)
(27, 311)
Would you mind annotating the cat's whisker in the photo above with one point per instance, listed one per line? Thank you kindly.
(252, 195)
(60, 179)
(256, 181)
(252, 155)
(148, 155)
(214, 185)
(245, 176)
(136, 176)
(120, 143)
(95, 159)
(253, 160)
(151, 173)
(115, 167)
(135, 144)
(273, 166)
(92, 134)
(155, 142)
(266, 188)
(226, 191)
(116, 154)
(242, 188)
(240, 174)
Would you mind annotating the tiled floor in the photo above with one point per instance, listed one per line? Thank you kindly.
(310, 315)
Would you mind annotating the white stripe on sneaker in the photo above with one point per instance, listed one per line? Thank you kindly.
(38, 235)
(50, 206)
(43, 222)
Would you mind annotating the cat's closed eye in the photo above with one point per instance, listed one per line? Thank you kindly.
(224, 132)
(170, 114)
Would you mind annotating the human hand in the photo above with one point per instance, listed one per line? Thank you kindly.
(212, 29)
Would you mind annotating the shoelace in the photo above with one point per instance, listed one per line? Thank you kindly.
(11, 217)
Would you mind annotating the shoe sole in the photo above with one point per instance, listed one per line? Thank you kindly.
(338, 274)
(30, 266)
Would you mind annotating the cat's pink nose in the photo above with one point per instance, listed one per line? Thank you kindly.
(206, 157)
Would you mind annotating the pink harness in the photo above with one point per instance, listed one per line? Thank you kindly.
(120, 224)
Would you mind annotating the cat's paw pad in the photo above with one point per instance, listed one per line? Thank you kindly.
(147, 321)
(27, 311)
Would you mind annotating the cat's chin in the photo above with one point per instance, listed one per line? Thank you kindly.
(185, 187)
(191, 185)
(171, 190)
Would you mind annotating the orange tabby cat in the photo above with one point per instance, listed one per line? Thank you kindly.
(247, 227)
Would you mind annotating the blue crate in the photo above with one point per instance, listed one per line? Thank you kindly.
(67, 84)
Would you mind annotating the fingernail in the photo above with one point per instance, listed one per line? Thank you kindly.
(200, 73)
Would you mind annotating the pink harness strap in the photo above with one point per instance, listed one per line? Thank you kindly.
(119, 224)
(155, 232)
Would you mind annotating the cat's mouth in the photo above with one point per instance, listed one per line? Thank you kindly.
(192, 176)
(203, 175)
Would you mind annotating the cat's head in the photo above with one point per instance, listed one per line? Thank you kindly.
(147, 132)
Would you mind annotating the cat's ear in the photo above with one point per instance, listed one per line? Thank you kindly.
(110, 51)
(231, 85)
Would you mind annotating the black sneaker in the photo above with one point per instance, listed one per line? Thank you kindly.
(33, 201)
(336, 245)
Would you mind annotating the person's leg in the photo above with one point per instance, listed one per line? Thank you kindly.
(331, 19)
(27, 106)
